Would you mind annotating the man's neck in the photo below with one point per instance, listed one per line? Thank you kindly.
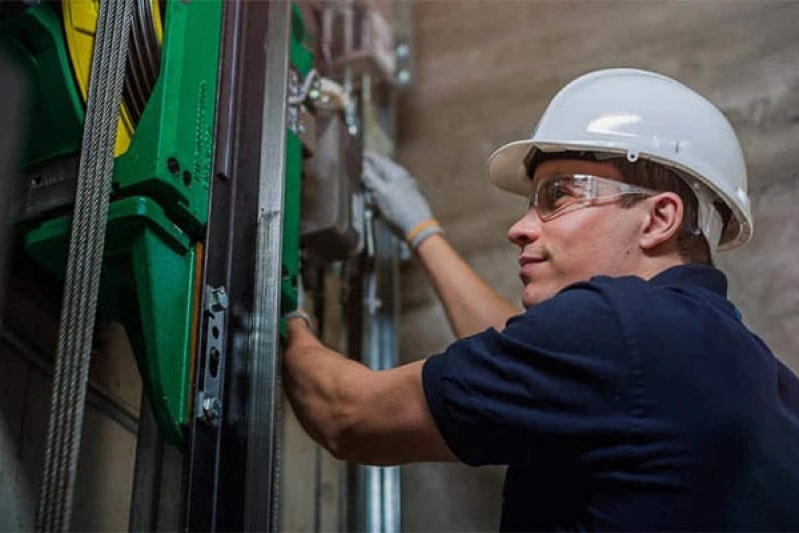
(652, 266)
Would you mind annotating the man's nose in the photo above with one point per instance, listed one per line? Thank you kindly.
(527, 229)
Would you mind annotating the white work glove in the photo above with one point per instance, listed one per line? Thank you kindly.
(399, 199)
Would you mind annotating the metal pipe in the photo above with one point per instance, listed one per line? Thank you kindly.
(379, 487)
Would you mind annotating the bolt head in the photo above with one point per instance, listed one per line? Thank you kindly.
(212, 408)
(403, 50)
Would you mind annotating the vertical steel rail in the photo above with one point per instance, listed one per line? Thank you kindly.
(219, 467)
(378, 506)
(263, 414)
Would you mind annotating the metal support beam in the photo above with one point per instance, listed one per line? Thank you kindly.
(264, 419)
(156, 500)
(229, 460)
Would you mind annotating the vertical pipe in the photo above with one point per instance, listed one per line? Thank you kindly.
(379, 487)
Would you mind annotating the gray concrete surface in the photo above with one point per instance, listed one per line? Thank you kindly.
(485, 69)
(105, 478)
(108, 450)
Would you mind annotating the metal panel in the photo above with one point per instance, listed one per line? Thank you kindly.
(328, 186)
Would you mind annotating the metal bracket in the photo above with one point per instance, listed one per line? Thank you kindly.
(299, 91)
(208, 406)
(50, 186)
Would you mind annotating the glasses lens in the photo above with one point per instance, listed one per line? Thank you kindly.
(556, 193)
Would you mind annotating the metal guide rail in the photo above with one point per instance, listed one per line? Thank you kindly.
(255, 192)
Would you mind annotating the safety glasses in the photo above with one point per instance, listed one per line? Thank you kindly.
(561, 193)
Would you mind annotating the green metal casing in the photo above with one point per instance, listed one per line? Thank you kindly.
(159, 209)
(147, 284)
(301, 60)
(158, 213)
(169, 158)
(34, 38)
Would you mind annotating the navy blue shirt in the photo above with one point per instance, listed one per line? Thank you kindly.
(627, 405)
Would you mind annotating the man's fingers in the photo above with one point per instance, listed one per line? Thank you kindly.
(385, 177)
(384, 164)
(372, 178)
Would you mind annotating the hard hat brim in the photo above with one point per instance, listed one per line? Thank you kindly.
(505, 167)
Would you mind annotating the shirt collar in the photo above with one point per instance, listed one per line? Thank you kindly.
(704, 276)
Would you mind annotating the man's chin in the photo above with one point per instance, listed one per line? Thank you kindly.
(535, 295)
(533, 298)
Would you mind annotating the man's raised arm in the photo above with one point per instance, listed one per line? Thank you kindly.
(470, 304)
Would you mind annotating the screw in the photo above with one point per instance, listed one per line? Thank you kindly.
(219, 300)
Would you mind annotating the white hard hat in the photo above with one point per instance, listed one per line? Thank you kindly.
(635, 113)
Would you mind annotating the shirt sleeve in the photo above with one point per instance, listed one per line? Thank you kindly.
(553, 380)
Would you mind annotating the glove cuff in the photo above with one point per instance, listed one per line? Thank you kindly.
(422, 231)
(299, 313)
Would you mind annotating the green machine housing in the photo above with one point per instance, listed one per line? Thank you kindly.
(160, 192)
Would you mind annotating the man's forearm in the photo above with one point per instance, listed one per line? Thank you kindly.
(471, 305)
(372, 417)
(317, 382)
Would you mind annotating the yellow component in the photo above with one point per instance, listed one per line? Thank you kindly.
(80, 26)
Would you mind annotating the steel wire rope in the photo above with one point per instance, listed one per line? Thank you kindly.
(83, 267)
(143, 60)
(77, 271)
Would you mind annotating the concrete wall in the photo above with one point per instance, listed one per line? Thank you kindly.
(108, 447)
(486, 69)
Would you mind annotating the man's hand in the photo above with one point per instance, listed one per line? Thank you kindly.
(399, 199)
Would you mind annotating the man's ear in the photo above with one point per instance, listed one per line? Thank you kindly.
(663, 220)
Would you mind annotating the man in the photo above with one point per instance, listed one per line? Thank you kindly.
(628, 395)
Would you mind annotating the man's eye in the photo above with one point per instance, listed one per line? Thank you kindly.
(560, 191)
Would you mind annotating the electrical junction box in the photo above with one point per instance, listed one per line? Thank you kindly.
(331, 191)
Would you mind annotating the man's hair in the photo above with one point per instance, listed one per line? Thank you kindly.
(691, 243)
